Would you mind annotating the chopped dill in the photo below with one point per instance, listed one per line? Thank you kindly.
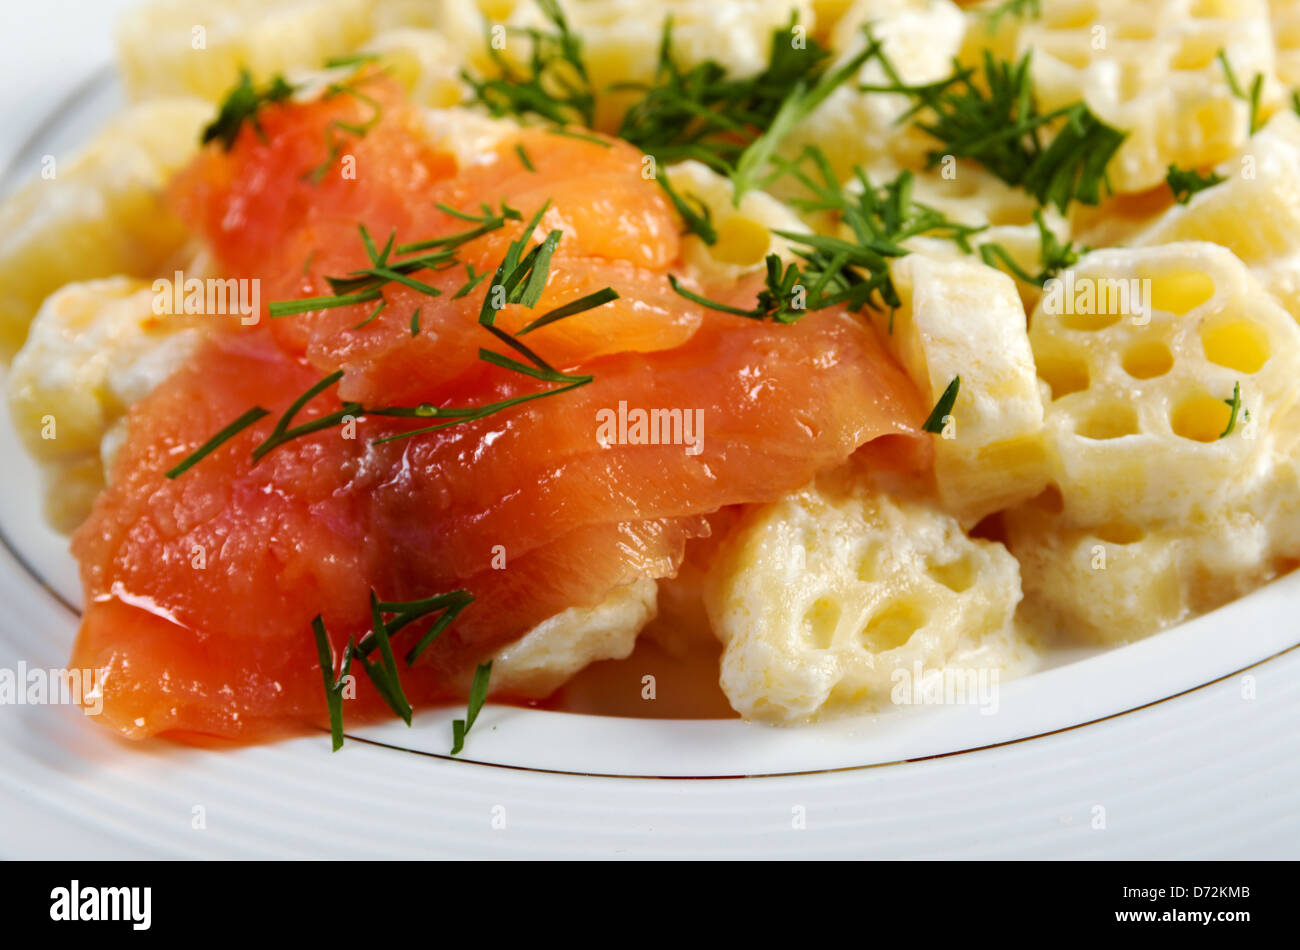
(942, 408)
(1185, 182)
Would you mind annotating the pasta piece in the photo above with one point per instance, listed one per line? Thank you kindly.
(1142, 351)
(974, 197)
(1171, 501)
(543, 659)
(426, 62)
(744, 233)
(1255, 212)
(824, 598)
(828, 14)
(854, 128)
(1286, 39)
(183, 47)
(99, 213)
(621, 37)
(961, 318)
(1120, 581)
(469, 136)
(94, 349)
(1150, 69)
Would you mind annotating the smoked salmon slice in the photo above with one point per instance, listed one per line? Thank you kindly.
(201, 589)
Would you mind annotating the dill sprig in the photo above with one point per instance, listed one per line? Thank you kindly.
(704, 113)
(553, 84)
(1017, 9)
(524, 158)
(384, 672)
(1053, 256)
(447, 606)
(337, 129)
(241, 105)
(994, 120)
(520, 279)
(366, 284)
(333, 685)
(797, 106)
(1185, 182)
(1235, 405)
(852, 271)
(225, 435)
(695, 213)
(733, 125)
(477, 696)
(1250, 97)
(942, 408)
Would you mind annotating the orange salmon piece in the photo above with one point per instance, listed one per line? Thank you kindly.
(201, 590)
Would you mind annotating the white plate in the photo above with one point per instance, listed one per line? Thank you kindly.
(1209, 772)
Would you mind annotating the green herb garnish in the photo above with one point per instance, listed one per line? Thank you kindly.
(554, 84)
(283, 433)
(852, 271)
(705, 114)
(796, 107)
(697, 221)
(521, 277)
(477, 696)
(241, 105)
(1235, 405)
(333, 685)
(942, 408)
(1053, 256)
(338, 128)
(995, 121)
(1185, 182)
(523, 157)
(1019, 9)
(1250, 97)
(373, 314)
(225, 435)
(383, 674)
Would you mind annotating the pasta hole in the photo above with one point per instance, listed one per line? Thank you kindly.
(1135, 31)
(867, 562)
(741, 241)
(1091, 321)
(1200, 418)
(1119, 532)
(1049, 500)
(820, 622)
(1109, 422)
(1147, 360)
(1179, 293)
(1064, 374)
(1073, 16)
(1069, 52)
(893, 626)
(1195, 55)
(1215, 9)
(957, 575)
(1237, 345)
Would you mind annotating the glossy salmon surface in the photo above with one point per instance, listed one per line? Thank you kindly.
(201, 589)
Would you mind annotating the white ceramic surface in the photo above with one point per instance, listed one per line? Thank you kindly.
(1096, 740)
